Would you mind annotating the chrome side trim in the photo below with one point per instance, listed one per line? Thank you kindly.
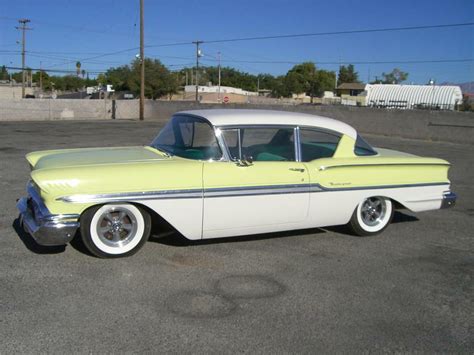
(384, 186)
(321, 168)
(227, 192)
(151, 195)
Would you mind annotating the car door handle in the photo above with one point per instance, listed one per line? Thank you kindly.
(301, 170)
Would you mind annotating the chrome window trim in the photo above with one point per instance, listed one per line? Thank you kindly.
(222, 146)
(239, 137)
(297, 139)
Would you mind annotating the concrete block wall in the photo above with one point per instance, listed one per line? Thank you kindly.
(40, 110)
(456, 127)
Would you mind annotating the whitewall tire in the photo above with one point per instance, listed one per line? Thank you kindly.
(115, 230)
(372, 216)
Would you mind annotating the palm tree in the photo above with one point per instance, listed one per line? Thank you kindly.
(78, 68)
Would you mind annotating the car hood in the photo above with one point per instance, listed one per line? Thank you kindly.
(92, 156)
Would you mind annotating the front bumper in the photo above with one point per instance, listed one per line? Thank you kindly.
(45, 228)
(449, 199)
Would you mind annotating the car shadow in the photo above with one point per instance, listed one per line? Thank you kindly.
(400, 217)
(78, 245)
(31, 244)
(175, 239)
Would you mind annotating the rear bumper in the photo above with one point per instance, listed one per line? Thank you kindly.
(449, 200)
(45, 228)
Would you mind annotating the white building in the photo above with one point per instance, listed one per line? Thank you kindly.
(413, 96)
(215, 89)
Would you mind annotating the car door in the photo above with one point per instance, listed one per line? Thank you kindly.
(317, 146)
(261, 188)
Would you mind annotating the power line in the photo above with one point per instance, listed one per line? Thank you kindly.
(373, 30)
(353, 62)
(390, 29)
(63, 71)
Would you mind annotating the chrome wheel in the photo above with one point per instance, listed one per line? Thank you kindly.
(116, 226)
(115, 229)
(371, 216)
(373, 211)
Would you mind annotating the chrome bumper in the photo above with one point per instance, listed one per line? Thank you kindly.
(45, 228)
(449, 199)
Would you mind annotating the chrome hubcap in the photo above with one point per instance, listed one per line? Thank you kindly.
(116, 227)
(373, 211)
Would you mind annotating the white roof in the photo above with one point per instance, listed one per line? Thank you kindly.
(234, 117)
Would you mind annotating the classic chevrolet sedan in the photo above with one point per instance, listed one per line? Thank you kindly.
(221, 173)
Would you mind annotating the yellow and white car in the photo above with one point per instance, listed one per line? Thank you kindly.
(220, 173)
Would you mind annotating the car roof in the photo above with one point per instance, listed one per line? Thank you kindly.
(236, 117)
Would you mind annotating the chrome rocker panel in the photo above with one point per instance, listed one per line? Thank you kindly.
(46, 229)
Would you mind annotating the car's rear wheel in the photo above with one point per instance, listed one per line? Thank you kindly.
(115, 230)
(371, 216)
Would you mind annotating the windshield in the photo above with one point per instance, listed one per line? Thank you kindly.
(188, 137)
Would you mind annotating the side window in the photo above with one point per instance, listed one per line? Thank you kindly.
(261, 143)
(362, 148)
(316, 144)
(231, 138)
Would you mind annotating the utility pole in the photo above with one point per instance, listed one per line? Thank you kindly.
(41, 78)
(219, 89)
(142, 64)
(198, 55)
(23, 28)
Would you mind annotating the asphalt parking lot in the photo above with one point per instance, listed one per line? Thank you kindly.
(409, 289)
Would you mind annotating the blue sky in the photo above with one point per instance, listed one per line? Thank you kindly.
(65, 31)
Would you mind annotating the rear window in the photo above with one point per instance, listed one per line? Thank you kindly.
(362, 148)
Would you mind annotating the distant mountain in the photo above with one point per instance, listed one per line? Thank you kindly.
(466, 88)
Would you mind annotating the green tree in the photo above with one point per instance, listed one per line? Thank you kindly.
(4, 73)
(305, 78)
(324, 82)
(301, 79)
(118, 77)
(396, 76)
(347, 74)
(45, 78)
(18, 76)
(158, 79)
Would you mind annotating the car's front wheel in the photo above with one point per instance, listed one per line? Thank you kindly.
(371, 216)
(115, 230)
